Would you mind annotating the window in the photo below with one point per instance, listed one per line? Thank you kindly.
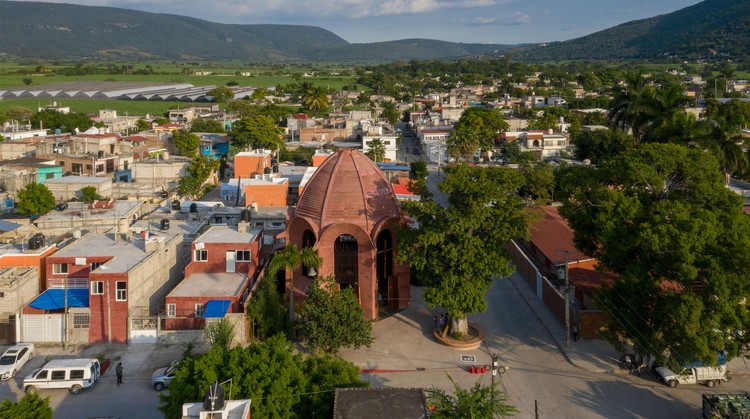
(80, 320)
(2, 294)
(243, 256)
(171, 310)
(200, 255)
(97, 287)
(59, 268)
(199, 310)
(76, 374)
(50, 175)
(95, 265)
(42, 374)
(58, 375)
(122, 290)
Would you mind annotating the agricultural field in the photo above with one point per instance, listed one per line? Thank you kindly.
(88, 106)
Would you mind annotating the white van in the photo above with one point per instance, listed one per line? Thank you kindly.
(73, 374)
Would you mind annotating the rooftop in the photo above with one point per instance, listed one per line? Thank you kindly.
(78, 179)
(125, 254)
(553, 236)
(215, 284)
(226, 234)
(376, 403)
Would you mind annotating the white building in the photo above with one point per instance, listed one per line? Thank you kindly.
(389, 142)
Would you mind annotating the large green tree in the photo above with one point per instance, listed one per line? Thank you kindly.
(281, 382)
(221, 94)
(35, 199)
(601, 145)
(31, 406)
(256, 132)
(661, 218)
(476, 130)
(198, 173)
(266, 311)
(458, 251)
(67, 122)
(206, 125)
(333, 319)
(390, 111)
(186, 142)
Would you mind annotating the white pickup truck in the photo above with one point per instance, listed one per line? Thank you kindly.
(693, 375)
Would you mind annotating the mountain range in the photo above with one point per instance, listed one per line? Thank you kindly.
(65, 31)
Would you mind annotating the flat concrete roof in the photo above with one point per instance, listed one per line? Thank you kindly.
(124, 254)
(75, 209)
(226, 234)
(210, 285)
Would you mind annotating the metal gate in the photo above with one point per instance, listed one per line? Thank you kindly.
(8, 330)
(143, 329)
(42, 328)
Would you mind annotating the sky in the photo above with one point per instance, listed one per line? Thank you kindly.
(469, 21)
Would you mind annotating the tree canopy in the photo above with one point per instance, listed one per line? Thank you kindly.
(35, 199)
(200, 170)
(661, 218)
(31, 406)
(255, 132)
(476, 130)
(186, 143)
(481, 401)
(51, 119)
(457, 251)
(90, 194)
(221, 94)
(601, 145)
(206, 125)
(280, 382)
(333, 319)
(376, 152)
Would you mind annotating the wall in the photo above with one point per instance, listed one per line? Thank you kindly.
(24, 289)
(180, 336)
(247, 165)
(271, 195)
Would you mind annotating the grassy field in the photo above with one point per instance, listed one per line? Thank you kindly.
(93, 106)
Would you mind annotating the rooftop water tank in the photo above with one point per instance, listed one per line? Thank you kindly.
(214, 400)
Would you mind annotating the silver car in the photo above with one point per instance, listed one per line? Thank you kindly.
(160, 378)
(14, 358)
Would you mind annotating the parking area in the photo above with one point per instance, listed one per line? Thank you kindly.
(135, 398)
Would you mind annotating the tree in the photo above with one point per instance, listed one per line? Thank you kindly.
(481, 401)
(90, 194)
(728, 146)
(31, 406)
(457, 251)
(540, 182)
(281, 382)
(221, 94)
(266, 311)
(35, 199)
(376, 152)
(206, 125)
(198, 173)
(28, 81)
(256, 132)
(390, 112)
(316, 99)
(220, 333)
(186, 142)
(19, 113)
(51, 119)
(661, 218)
(290, 259)
(142, 125)
(476, 130)
(333, 319)
(627, 103)
(601, 145)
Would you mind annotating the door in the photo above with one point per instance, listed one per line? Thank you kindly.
(231, 261)
(42, 328)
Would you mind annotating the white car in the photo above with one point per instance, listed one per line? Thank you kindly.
(14, 359)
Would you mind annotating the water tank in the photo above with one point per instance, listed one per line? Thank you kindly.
(34, 243)
(267, 170)
(165, 156)
(254, 206)
(61, 206)
(176, 205)
(123, 226)
(214, 400)
(100, 154)
(245, 215)
(41, 239)
(164, 224)
(193, 207)
(58, 131)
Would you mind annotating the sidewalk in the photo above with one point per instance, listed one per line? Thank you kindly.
(591, 354)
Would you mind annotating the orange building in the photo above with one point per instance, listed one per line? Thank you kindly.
(247, 164)
(267, 191)
(320, 156)
(12, 255)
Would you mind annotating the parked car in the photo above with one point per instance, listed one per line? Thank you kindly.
(160, 378)
(14, 358)
(708, 376)
(73, 374)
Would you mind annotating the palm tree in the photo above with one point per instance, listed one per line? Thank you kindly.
(377, 150)
(291, 258)
(625, 111)
(316, 99)
(728, 145)
(659, 108)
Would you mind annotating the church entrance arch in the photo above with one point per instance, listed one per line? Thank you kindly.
(346, 262)
(384, 270)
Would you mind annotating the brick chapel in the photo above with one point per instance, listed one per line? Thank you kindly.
(348, 212)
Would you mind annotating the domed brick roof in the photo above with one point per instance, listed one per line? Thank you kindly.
(348, 187)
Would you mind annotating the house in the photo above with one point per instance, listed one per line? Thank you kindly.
(247, 164)
(15, 174)
(111, 281)
(225, 262)
(213, 146)
(98, 217)
(69, 187)
(84, 154)
(544, 145)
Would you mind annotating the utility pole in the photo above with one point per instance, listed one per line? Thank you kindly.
(65, 311)
(567, 303)
(494, 373)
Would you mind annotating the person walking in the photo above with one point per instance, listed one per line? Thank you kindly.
(118, 373)
(575, 333)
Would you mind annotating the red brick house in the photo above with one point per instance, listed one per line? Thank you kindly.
(225, 262)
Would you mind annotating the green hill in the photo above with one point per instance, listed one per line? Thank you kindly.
(712, 27)
(60, 31)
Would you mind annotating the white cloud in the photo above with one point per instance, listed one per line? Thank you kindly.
(520, 18)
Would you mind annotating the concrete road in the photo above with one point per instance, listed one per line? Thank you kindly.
(135, 398)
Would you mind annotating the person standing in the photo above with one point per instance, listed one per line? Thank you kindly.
(118, 373)
(575, 333)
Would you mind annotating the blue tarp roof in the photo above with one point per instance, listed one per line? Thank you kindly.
(216, 309)
(54, 299)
